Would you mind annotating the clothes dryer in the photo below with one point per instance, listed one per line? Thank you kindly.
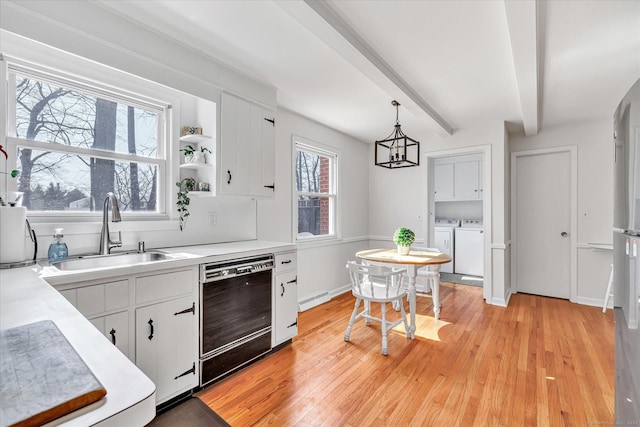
(469, 249)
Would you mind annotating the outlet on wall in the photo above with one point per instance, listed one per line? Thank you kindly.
(213, 218)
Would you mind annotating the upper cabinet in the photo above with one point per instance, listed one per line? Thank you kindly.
(457, 178)
(247, 148)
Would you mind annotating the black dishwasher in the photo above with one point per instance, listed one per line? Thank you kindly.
(235, 314)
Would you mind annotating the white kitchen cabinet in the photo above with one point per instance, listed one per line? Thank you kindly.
(247, 148)
(466, 180)
(166, 345)
(458, 179)
(106, 306)
(121, 309)
(443, 181)
(167, 330)
(116, 328)
(285, 298)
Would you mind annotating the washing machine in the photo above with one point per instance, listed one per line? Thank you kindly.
(444, 240)
(469, 249)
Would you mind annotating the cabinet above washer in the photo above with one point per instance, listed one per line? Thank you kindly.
(458, 178)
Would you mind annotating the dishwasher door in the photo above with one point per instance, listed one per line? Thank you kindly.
(469, 251)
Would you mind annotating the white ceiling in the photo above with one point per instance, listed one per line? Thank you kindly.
(531, 64)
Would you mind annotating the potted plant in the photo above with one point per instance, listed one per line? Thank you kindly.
(404, 238)
(183, 200)
(191, 155)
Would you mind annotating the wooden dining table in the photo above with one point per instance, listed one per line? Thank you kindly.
(413, 261)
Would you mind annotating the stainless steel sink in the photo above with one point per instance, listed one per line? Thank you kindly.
(112, 260)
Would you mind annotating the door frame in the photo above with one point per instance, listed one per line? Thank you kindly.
(573, 215)
(429, 209)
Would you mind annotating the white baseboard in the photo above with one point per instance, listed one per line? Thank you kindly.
(313, 301)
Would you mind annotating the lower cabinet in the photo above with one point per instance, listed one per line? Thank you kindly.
(116, 328)
(166, 337)
(152, 319)
(285, 298)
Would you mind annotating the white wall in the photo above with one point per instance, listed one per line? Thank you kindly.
(595, 197)
(321, 266)
(236, 216)
(399, 198)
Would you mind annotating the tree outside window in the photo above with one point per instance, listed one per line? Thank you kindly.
(315, 188)
(75, 143)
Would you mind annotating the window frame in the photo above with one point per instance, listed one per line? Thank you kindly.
(333, 154)
(13, 66)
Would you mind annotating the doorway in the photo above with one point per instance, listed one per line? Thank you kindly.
(543, 225)
(476, 202)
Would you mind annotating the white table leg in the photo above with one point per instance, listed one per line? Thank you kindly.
(435, 292)
(411, 274)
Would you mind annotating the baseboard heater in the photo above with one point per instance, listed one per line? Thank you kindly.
(314, 301)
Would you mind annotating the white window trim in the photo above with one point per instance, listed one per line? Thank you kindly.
(334, 194)
(12, 66)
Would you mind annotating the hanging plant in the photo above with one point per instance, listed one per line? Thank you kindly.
(14, 172)
(183, 199)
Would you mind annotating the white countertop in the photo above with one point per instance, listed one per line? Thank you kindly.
(25, 297)
(130, 400)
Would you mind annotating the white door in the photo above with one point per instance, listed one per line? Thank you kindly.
(542, 205)
(466, 180)
(166, 346)
(443, 182)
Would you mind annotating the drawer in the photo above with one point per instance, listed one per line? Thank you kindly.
(167, 285)
(286, 261)
(96, 299)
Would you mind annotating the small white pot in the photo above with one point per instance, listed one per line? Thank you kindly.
(403, 250)
(198, 157)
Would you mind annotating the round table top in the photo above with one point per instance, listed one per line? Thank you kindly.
(414, 257)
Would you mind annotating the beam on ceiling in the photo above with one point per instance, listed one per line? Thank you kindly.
(328, 14)
(523, 24)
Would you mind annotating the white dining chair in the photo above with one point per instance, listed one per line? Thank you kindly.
(429, 272)
(381, 284)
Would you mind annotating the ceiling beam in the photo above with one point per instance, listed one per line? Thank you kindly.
(335, 21)
(523, 24)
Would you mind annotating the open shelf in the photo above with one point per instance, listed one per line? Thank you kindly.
(200, 194)
(195, 165)
(194, 138)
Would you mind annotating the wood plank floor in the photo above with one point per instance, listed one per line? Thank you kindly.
(539, 362)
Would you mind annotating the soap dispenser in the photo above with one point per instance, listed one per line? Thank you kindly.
(58, 249)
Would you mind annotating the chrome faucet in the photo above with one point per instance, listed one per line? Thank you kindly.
(105, 239)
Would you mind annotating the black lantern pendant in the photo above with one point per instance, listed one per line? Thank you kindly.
(397, 150)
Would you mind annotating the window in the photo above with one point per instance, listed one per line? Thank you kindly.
(74, 141)
(315, 171)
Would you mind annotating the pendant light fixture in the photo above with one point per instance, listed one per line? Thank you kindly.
(397, 150)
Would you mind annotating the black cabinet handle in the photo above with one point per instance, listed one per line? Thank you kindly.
(282, 293)
(113, 336)
(190, 371)
(286, 262)
(150, 322)
(228, 177)
(273, 187)
(293, 281)
(191, 309)
(272, 121)
(293, 324)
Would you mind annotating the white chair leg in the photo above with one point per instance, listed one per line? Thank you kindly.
(383, 309)
(367, 311)
(404, 319)
(352, 319)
